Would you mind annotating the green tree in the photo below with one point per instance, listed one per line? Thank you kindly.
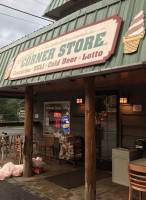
(9, 107)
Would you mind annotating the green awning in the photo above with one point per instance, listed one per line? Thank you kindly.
(126, 9)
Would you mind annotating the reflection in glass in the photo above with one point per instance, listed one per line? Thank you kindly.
(106, 126)
(56, 119)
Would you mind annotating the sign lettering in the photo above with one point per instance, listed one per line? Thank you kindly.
(88, 45)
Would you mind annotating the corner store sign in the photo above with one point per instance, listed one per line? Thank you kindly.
(88, 45)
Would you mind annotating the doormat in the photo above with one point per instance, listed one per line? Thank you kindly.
(75, 178)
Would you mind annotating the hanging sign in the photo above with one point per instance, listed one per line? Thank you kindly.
(88, 45)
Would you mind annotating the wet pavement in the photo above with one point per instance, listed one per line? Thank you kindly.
(10, 189)
(44, 189)
(39, 188)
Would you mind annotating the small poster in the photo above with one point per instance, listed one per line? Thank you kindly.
(137, 108)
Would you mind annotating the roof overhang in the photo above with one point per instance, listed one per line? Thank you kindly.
(66, 8)
(102, 72)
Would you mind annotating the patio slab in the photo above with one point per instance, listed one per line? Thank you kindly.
(105, 188)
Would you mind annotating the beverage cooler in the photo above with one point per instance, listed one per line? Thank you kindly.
(120, 158)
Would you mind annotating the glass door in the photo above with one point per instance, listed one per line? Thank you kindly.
(106, 129)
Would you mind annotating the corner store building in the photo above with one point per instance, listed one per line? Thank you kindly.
(121, 75)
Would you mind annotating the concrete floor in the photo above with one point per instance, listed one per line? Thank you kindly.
(105, 189)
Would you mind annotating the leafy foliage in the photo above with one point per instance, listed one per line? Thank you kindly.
(9, 108)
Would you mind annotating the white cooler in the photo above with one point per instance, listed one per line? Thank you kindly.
(120, 158)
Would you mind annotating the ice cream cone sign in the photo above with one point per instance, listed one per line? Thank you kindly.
(135, 33)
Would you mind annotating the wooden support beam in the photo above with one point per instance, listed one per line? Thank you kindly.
(90, 140)
(28, 132)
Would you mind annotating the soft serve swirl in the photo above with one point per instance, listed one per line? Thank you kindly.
(136, 26)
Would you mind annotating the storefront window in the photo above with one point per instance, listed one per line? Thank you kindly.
(57, 119)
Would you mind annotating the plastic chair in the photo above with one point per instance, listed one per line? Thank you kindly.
(48, 145)
(137, 179)
(18, 147)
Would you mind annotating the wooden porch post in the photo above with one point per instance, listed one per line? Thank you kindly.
(28, 132)
(90, 141)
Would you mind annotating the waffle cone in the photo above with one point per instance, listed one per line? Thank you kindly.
(131, 43)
